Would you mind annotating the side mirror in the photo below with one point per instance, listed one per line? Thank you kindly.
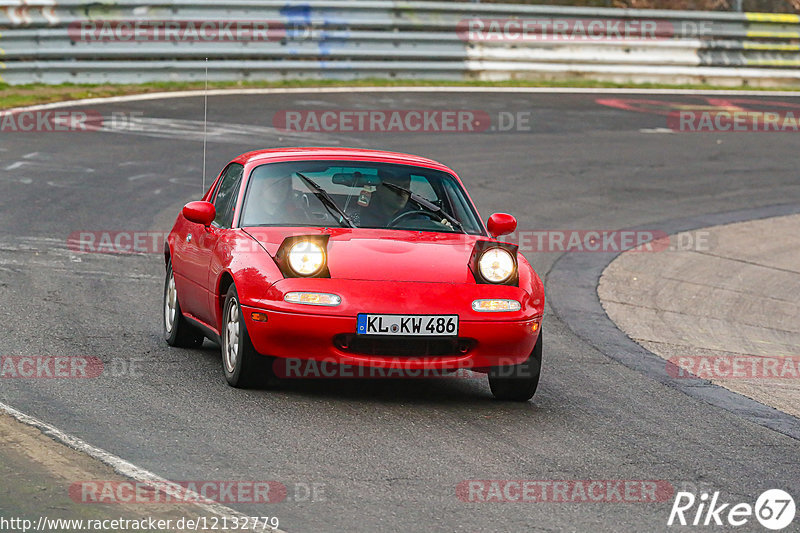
(501, 224)
(200, 212)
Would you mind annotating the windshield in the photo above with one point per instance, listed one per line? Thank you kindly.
(357, 194)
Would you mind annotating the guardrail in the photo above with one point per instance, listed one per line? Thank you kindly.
(96, 42)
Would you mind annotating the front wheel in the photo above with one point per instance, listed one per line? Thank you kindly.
(518, 383)
(243, 366)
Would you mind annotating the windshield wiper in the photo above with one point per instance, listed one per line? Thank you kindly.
(427, 205)
(326, 200)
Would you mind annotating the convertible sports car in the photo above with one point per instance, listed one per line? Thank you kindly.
(359, 257)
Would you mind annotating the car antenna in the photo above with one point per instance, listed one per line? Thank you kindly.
(205, 129)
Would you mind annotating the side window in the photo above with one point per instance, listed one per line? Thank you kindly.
(228, 190)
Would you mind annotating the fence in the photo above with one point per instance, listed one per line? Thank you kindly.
(97, 42)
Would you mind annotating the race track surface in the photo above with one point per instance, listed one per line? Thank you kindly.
(390, 453)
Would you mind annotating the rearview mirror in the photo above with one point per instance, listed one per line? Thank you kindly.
(200, 212)
(501, 224)
(355, 179)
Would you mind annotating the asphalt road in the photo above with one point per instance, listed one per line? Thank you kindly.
(389, 453)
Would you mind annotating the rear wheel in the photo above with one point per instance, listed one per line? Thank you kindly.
(177, 330)
(243, 366)
(518, 383)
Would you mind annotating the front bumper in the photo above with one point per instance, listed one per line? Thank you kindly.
(296, 331)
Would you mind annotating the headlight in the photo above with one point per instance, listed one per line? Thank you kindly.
(306, 258)
(496, 264)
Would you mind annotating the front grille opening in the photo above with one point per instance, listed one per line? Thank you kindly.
(407, 347)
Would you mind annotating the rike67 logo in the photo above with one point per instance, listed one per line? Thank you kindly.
(774, 509)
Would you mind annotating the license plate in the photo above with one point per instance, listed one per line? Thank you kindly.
(411, 325)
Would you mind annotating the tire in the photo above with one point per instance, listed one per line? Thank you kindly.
(518, 383)
(177, 330)
(243, 366)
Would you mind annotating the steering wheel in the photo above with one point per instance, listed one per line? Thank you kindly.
(302, 204)
(401, 216)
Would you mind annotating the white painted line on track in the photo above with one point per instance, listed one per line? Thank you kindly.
(123, 467)
(401, 89)
(656, 130)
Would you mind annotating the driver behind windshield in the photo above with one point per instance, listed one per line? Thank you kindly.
(385, 204)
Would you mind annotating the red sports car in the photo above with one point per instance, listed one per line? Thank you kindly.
(365, 258)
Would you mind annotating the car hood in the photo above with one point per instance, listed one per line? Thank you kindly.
(378, 255)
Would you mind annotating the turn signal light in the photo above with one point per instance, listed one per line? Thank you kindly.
(313, 298)
(495, 306)
(258, 317)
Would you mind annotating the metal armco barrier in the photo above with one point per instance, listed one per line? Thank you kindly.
(96, 42)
